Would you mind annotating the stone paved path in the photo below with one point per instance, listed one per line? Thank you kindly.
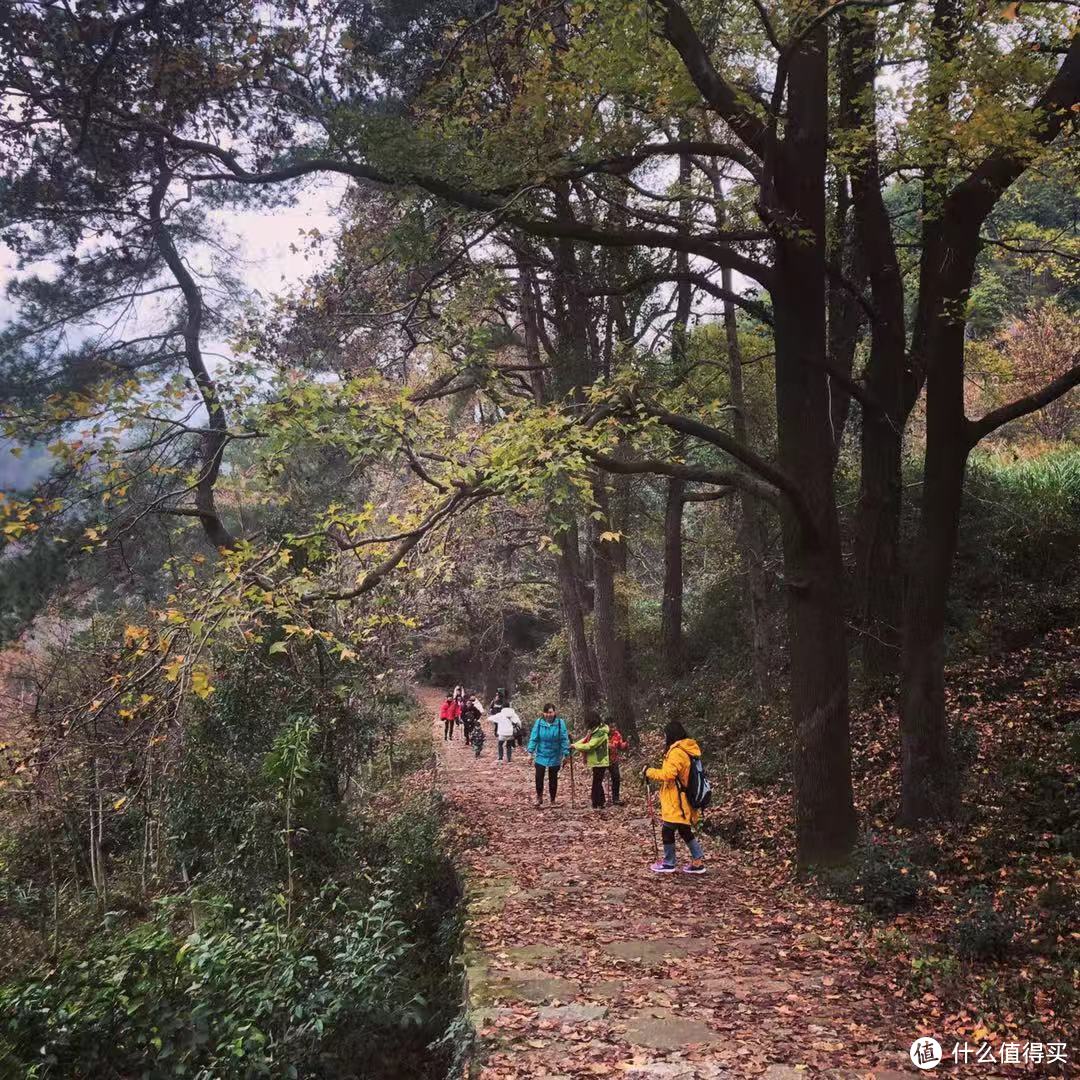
(582, 963)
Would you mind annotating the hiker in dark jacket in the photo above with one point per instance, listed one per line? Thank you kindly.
(470, 716)
(477, 738)
(549, 745)
(676, 813)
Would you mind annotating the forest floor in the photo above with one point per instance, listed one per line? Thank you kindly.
(581, 962)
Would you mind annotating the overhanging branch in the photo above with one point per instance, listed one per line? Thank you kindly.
(979, 429)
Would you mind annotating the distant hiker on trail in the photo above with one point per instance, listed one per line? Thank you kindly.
(470, 717)
(448, 714)
(677, 794)
(477, 738)
(616, 745)
(595, 748)
(549, 745)
(505, 719)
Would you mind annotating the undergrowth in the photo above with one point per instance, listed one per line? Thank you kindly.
(304, 923)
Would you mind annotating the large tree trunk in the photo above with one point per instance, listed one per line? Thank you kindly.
(879, 583)
(845, 317)
(609, 630)
(671, 632)
(928, 784)
(753, 535)
(581, 658)
(928, 780)
(674, 646)
(573, 370)
(813, 566)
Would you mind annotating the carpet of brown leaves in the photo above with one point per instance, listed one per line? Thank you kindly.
(583, 963)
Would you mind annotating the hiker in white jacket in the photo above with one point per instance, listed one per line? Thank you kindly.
(505, 720)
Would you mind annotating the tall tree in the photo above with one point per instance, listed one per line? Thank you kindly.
(672, 604)
(951, 245)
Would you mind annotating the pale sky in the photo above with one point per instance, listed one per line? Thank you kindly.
(266, 264)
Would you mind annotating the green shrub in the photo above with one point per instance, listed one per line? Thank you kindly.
(302, 938)
(245, 996)
(932, 972)
(984, 933)
(883, 877)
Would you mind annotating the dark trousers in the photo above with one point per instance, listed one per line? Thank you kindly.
(668, 829)
(447, 729)
(598, 786)
(552, 779)
(613, 772)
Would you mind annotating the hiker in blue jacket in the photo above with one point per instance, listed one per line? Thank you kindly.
(549, 745)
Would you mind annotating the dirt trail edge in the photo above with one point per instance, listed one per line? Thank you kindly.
(580, 962)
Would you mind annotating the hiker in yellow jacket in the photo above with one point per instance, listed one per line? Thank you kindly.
(676, 814)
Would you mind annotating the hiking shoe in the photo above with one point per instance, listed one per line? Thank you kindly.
(662, 868)
(694, 868)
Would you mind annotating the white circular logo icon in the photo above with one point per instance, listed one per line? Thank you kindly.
(925, 1053)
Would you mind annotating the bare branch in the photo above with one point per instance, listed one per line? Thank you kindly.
(723, 478)
(214, 442)
(979, 429)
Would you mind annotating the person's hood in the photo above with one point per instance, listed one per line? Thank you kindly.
(688, 746)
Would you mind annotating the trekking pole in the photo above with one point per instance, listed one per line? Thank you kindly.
(652, 819)
(573, 786)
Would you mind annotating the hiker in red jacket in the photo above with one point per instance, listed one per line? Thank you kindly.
(616, 745)
(449, 714)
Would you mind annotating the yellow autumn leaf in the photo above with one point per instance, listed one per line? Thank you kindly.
(172, 669)
(200, 683)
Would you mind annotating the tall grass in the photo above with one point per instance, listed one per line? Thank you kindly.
(1027, 508)
(1018, 563)
(1051, 478)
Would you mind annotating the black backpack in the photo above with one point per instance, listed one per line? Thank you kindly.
(698, 790)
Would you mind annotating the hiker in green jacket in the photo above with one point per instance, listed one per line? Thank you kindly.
(595, 748)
